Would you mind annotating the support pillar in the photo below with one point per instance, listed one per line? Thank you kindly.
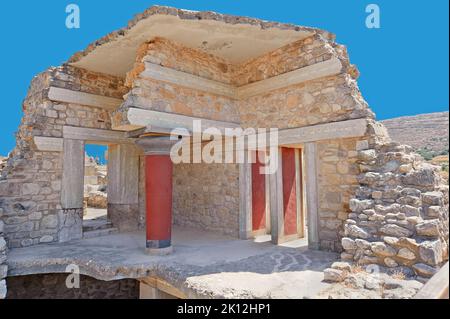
(286, 196)
(158, 188)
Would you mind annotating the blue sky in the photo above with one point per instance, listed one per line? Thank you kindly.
(404, 64)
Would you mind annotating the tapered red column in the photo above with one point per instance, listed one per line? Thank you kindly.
(158, 188)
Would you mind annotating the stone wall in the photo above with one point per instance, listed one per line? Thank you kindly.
(165, 97)
(3, 266)
(337, 171)
(399, 214)
(30, 184)
(53, 286)
(206, 196)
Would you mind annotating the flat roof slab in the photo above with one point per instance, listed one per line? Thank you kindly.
(233, 38)
(203, 264)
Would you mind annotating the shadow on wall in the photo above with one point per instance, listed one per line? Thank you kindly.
(53, 286)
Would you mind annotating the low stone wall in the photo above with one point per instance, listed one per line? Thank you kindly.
(3, 266)
(53, 286)
(399, 215)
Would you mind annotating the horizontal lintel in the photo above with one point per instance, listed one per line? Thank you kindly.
(82, 98)
(96, 136)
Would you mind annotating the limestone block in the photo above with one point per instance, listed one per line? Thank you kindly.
(334, 275)
(395, 230)
(2, 289)
(407, 254)
(391, 263)
(345, 266)
(358, 206)
(429, 228)
(382, 249)
(424, 270)
(3, 271)
(348, 243)
(50, 221)
(432, 198)
(431, 252)
(355, 231)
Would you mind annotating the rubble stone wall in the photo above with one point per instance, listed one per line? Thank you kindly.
(51, 286)
(399, 214)
(3, 256)
(206, 196)
(30, 184)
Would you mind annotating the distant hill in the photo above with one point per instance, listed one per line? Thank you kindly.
(427, 133)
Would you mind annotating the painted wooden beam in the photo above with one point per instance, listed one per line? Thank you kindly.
(160, 73)
(162, 120)
(48, 144)
(321, 132)
(296, 137)
(81, 98)
(96, 136)
(308, 73)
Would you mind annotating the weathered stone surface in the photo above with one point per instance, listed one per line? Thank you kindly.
(431, 252)
(423, 177)
(50, 221)
(395, 230)
(407, 254)
(341, 266)
(2, 244)
(432, 198)
(429, 228)
(383, 249)
(334, 275)
(355, 231)
(391, 263)
(3, 271)
(425, 270)
(360, 205)
(348, 243)
(2, 289)
(391, 240)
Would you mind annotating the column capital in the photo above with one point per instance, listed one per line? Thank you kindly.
(156, 145)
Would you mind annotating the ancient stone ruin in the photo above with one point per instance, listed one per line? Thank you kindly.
(341, 184)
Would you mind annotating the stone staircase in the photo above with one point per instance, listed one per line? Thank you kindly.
(98, 227)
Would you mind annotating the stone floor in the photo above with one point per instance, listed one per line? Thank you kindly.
(202, 265)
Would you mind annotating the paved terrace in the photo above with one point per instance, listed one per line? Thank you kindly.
(202, 265)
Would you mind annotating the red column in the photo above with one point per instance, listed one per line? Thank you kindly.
(158, 187)
(258, 196)
(289, 191)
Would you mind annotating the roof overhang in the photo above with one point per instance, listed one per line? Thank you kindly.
(235, 39)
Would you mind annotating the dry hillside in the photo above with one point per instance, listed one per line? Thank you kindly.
(427, 133)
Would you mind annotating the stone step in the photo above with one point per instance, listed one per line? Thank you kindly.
(96, 224)
(99, 233)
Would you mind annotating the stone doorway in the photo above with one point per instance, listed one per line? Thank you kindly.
(275, 205)
(96, 221)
